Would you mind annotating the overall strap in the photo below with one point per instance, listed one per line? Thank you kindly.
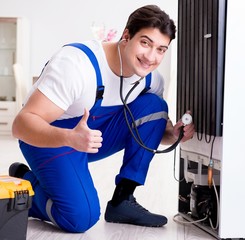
(94, 61)
(147, 83)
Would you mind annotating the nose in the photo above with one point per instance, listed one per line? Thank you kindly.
(150, 55)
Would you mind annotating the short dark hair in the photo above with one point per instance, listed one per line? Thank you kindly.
(150, 16)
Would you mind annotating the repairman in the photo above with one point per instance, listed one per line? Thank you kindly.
(75, 114)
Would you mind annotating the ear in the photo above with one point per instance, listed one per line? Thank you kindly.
(126, 35)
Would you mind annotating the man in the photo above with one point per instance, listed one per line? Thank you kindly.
(74, 115)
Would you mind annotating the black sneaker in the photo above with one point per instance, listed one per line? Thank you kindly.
(131, 212)
(18, 170)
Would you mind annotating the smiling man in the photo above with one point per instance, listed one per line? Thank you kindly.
(74, 114)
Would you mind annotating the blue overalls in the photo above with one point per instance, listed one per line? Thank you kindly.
(64, 190)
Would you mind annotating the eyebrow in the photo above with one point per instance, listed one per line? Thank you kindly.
(145, 36)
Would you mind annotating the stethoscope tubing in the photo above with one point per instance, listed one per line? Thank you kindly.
(136, 135)
(126, 110)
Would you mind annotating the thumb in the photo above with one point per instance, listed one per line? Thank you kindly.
(85, 116)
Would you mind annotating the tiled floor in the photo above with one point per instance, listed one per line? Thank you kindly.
(161, 190)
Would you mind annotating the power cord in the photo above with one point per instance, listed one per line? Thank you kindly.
(188, 222)
(218, 209)
(178, 180)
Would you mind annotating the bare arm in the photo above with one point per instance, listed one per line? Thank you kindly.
(32, 125)
(168, 137)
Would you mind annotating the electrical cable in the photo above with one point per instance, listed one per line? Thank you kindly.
(188, 222)
(212, 147)
(210, 178)
(211, 165)
(178, 180)
(218, 209)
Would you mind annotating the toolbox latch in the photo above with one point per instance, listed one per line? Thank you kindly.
(21, 201)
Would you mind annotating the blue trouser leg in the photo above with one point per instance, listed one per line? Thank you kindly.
(116, 136)
(62, 176)
(64, 190)
(136, 159)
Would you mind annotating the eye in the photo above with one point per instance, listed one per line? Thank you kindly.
(145, 43)
(162, 50)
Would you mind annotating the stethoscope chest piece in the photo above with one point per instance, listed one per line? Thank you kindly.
(186, 119)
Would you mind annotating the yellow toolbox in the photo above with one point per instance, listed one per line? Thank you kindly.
(15, 199)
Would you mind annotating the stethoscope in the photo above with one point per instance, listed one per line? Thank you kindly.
(186, 118)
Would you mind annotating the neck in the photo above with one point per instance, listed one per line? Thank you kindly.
(112, 57)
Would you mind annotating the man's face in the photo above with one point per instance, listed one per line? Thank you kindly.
(144, 52)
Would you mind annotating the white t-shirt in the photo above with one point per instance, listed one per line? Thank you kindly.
(69, 81)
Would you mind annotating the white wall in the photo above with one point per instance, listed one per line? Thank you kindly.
(54, 23)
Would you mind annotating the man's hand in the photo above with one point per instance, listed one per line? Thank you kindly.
(189, 130)
(85, 139)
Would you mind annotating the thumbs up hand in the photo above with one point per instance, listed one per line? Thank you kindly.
(85, 139)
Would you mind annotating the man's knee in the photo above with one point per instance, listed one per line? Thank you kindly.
(149, 102)
(150, 109)
(156, 103)
(77, 219)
